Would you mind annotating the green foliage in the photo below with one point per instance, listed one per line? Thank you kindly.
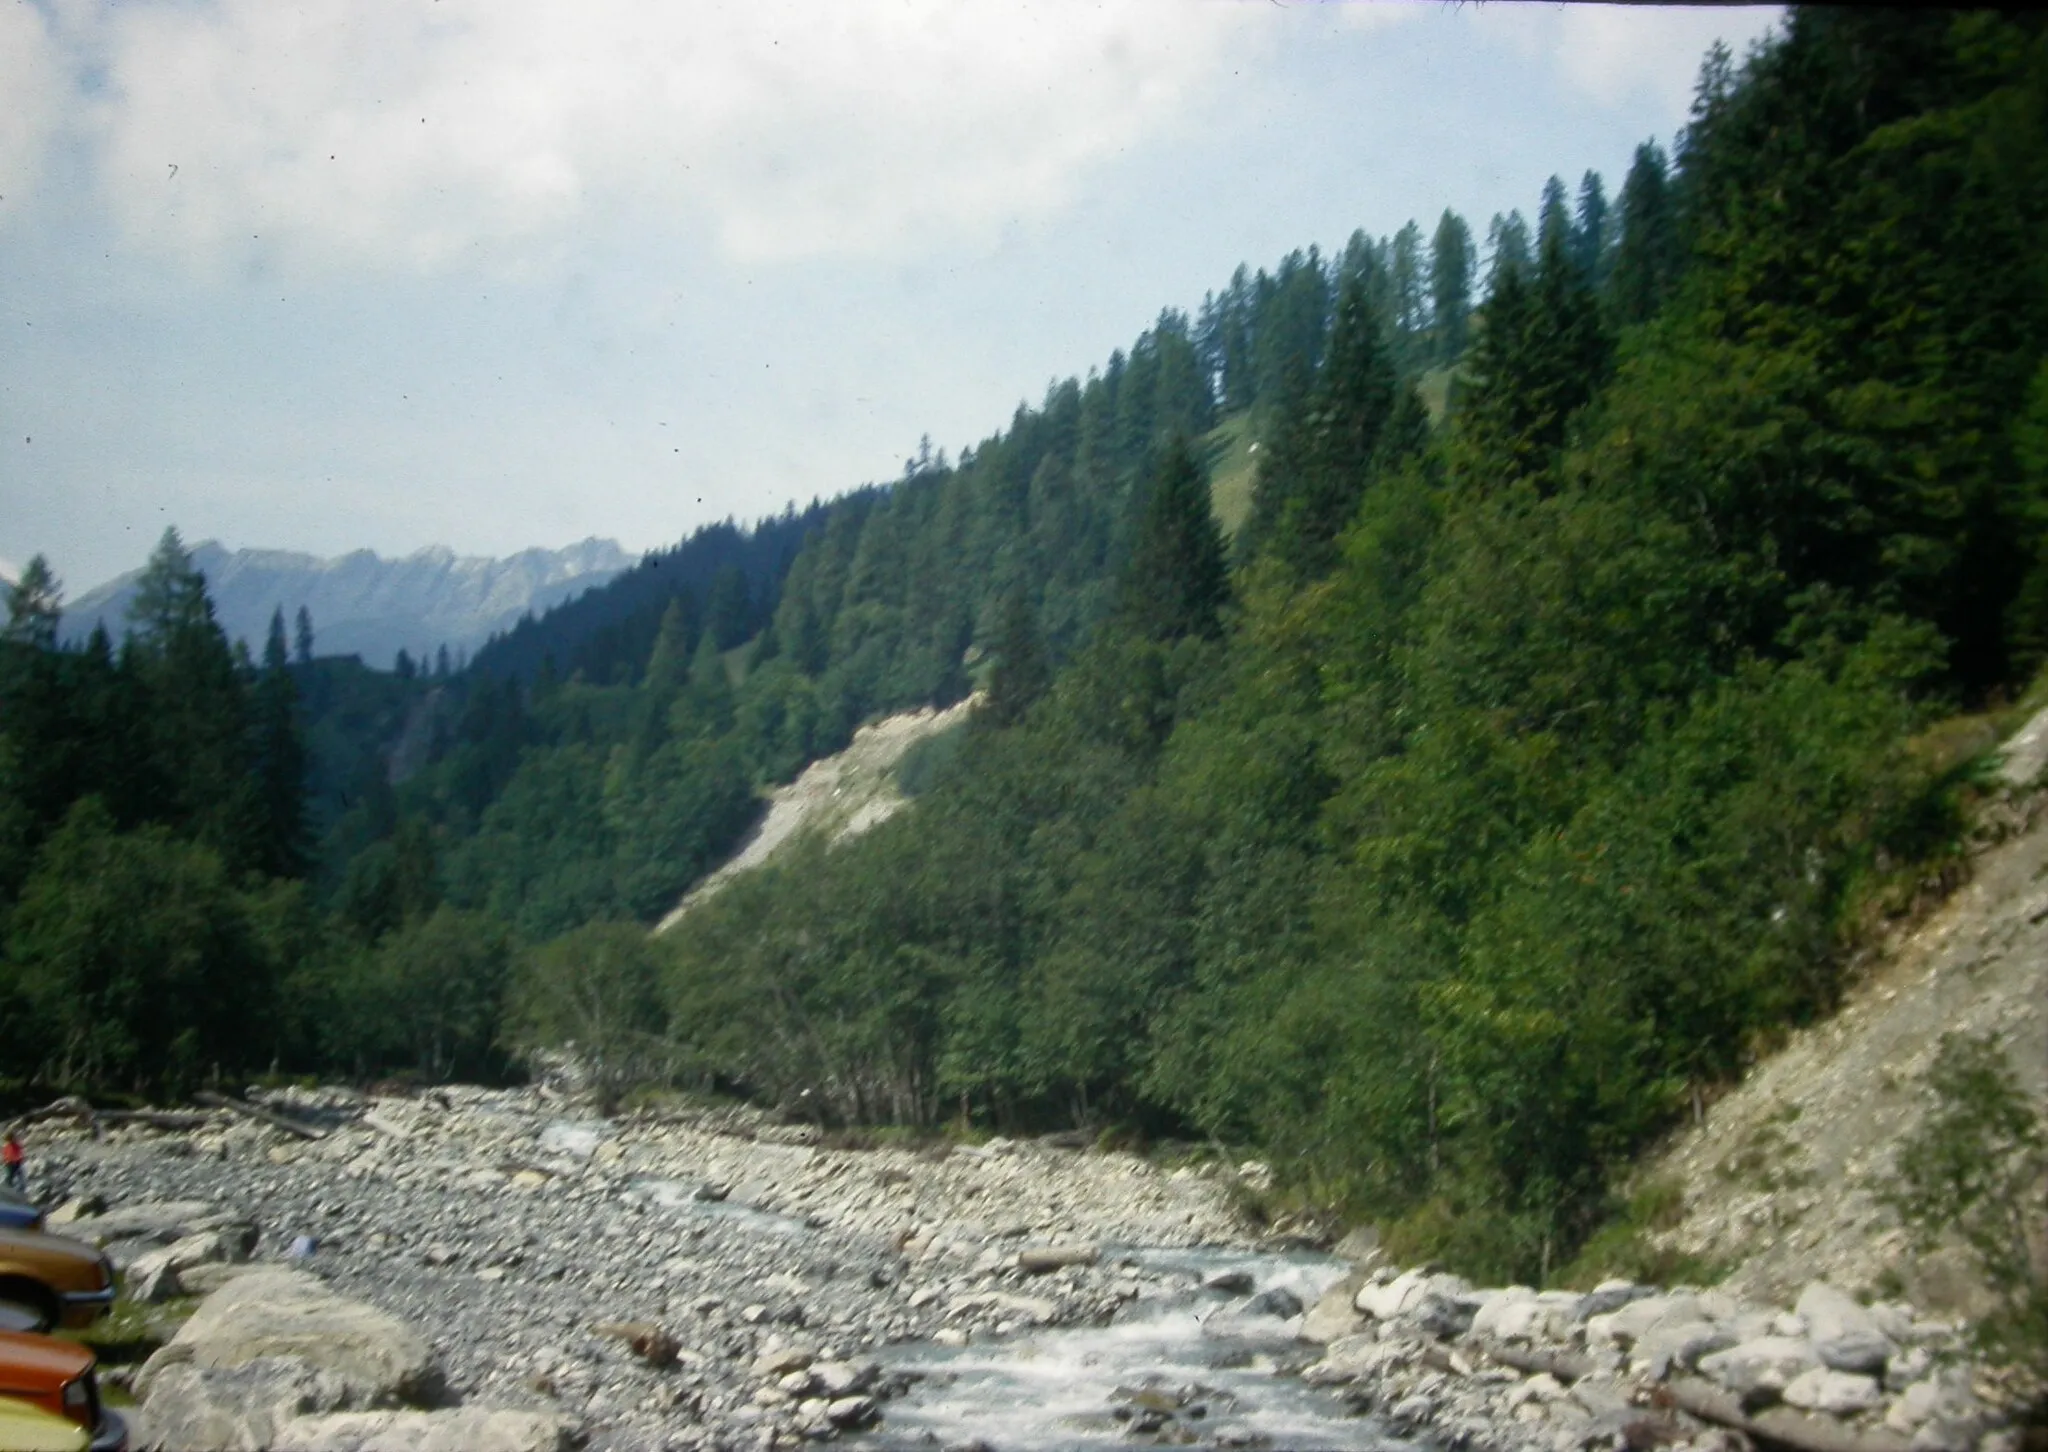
(1976, 1168)
(135, 962)
(595, 992)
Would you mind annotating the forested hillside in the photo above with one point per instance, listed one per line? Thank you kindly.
(1532, 750)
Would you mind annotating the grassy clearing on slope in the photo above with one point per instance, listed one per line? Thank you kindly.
(1229, 452)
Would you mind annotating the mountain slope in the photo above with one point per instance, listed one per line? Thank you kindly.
(363, 604)
(1778, 1183)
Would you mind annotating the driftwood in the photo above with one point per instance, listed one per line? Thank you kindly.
(1780, 1426)
(1566, 1366)
(259, 1113)
(74, 1108)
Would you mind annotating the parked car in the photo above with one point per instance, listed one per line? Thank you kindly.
(59, 1377)
(26, 1427)
(19, 1214)
(49, 1280)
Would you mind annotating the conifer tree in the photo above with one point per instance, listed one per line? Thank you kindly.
(1646, 255)
(1589, 231)
(197, 707)
(1507, 245)
(34, 605)
(1450, 284)
(1022, 672)
(302, 638)
(1176, 582)
(1553, 220)
(1339, 437)
(280, 760)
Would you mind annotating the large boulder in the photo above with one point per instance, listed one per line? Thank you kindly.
(1761, 1369)
(459, 1429)
(378, 1359)
(1632, 1321)
(1678, 1344)
(1333, 1317)
(231, 1409)
(1850, 1337)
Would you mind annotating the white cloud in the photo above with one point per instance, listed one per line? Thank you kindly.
(1616, 53)
(31, 81)
(417, 132)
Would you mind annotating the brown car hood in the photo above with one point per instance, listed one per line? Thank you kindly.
(37, 1365)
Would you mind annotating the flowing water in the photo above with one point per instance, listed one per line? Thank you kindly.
(1183, 1364)
(1178, 1366)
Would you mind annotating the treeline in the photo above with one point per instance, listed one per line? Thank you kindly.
(1541, 760)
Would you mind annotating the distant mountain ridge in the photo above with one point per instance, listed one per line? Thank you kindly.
(363, 604)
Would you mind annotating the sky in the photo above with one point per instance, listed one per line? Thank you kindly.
(333, 274)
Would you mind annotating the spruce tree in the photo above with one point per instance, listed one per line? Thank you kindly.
(280, 761)
(1450, 284)
(1646, 255)
(1589, 231)
(303, 636)
(34, 605)
(1176, 582)
(1022, 674)
(1347, 411)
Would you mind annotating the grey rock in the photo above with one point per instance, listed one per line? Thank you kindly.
(1278, 1301)
(837, 1379)
(1856, 1351)
(1413, 1411)
(1601, 1395)
(1234, 1282)
(231, 1409)
(1441, 1317)
(1608, 1297)
(1332, 1317)
(1830, 1314)
(850, 1411)
(1765, 1365)
(274, 1313)
(1678, 1344)
(1838, 1393)
(458, 1429)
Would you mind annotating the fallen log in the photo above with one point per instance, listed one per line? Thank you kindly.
(1039, 1259)
(1566, 1366)
(1780, 1426)
(74, 1108)
(264, 1116)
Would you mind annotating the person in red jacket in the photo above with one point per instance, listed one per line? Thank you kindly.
(12, 1156)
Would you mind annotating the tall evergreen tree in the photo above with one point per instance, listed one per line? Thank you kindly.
(1589, 231)
(1450, 284)
(1646, 254)
(1339, 437)
(34, 604)
(1177, 580)
(1507, 246)
(280, 761)
(1554, 218)
(302, 636)
(1022, 672)
(1410, 285)
(197, 707)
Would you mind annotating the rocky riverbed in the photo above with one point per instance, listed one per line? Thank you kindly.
(497, 1270)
